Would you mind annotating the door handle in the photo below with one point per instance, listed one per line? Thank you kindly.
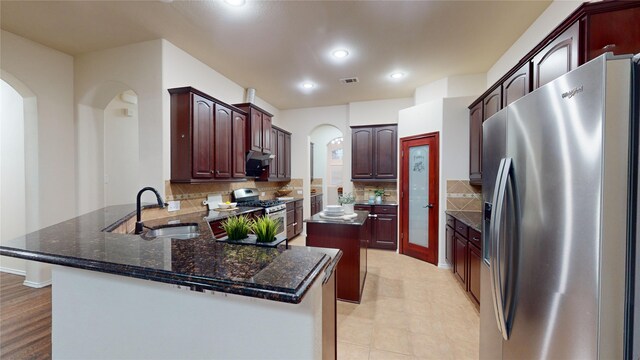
(428, 206)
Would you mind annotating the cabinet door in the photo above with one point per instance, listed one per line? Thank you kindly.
(450, 244)
(223, 136)
(474, 273)
(516, 86)
(557, 58)
(385, 232)
(460, 256)
(273, 165)
(492, 103)
(280, 156)
(621, 38)
(287, 156)
(385, 143)
(298, 218)
(314, 206)
(203, 133)
(475, 144)
(255, 133)
(267, 139)
(320, 204)
(238, 157)
(361, 153)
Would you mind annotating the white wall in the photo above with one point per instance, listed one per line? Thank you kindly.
(44, 78)
(99, 77)
(321, 136)
(121, 151)
(450, 118)
(452, 86)
(12, 174)
(377, 112)
(547, 21)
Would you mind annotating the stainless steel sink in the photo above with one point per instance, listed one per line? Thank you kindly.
(174, 232)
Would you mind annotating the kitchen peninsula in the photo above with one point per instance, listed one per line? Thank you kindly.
(350, 236)
(126, 296)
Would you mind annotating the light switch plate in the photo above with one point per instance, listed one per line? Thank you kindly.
(262, 194)
(173, 205)
(299, 192)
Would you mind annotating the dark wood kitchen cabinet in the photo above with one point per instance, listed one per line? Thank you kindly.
(475, 144)
(258, 132)
(463, 244)
(204, 147)
(294, 218)
(280, 166)
(316, 204)
(460, 260)
(382, 226)
(492, 103)
(591, 30)
(474, 258)
(298, 217)
(374, 152)
(449, 244)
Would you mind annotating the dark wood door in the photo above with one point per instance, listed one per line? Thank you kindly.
(450, 245)
(255, 134)
(557, 58)
(475, 144)
(361, 153)
(419, 200)
(474, 273)
(273, 165)
(460, 258)
(267, 139)
(615, 31)
(385, 230)
(492, 103)
(203, 133)
(385, 143)
(287, 156)
(517, 85)
(238, 157)
(223, 135)
(280, 155)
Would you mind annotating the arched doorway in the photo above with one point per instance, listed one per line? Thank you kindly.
(326, 162)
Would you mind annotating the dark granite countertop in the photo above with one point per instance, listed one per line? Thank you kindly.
(213, 215)
(358, 221)
(292, 200)
(200, 263)
(469, 218)
(366, 202)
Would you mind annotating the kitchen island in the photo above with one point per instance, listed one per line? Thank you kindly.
(350, 236)
(127, 296)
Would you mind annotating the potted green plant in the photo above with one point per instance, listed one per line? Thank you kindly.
(379, 194)
(265, 229)
(237, 227)
(347, 201)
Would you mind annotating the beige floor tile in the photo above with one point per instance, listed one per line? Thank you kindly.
(348, 351)
(387, 355)
(356, 330)
(391, 339)
(434, 346)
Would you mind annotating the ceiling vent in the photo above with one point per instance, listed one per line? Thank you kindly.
(351, 80)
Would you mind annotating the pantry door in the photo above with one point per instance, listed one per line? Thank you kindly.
(419, 196)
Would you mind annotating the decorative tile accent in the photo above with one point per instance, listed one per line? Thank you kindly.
(362, 190)
(462, 196)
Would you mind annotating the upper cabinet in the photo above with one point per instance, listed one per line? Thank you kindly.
(591, 30)
(205, 136)
(374, 152)
(258, 132)
(280, 165)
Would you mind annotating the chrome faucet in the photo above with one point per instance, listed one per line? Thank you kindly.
(139, 224)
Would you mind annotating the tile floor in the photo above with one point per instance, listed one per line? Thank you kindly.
(409, 310)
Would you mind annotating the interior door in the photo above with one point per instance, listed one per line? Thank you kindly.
(419, 197)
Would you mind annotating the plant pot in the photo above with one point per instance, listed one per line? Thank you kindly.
(378, 199)
(348, 209)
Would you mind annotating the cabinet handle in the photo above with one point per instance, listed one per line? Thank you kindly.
(475, 238)
(212, 171)
(294, 224)
(370, 174)
(217, 172)
(372, 216)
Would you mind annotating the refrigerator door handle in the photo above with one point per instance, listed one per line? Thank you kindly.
(495, 226)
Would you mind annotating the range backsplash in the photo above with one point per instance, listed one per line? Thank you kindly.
(462, 196)
(362, 190)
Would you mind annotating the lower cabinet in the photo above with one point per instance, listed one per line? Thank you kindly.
(316, 204)
(294, 218)
(463, 253)
(382, 226)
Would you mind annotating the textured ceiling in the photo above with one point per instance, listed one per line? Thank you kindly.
(273, 46)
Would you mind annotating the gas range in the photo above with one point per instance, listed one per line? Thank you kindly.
(250, 197)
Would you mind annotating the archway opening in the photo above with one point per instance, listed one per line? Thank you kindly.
(326, 162)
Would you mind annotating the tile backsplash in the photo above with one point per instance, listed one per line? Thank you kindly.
(462, 196)
(363, 189)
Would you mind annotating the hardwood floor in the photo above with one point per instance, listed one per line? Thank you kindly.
(25, 320)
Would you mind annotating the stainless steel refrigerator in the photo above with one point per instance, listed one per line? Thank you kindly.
(560, 191)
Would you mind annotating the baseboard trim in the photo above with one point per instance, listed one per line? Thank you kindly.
(13, 271)
(444, 265)
(36, 285)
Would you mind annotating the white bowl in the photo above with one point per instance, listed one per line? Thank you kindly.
(224, 205)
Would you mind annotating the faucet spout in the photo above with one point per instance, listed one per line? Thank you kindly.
(139, 224)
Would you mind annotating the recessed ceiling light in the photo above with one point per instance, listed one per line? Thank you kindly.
(340, 53)
(397, 75)
(308, 85)
(235, 2)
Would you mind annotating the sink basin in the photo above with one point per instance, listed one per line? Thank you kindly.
(174, 232)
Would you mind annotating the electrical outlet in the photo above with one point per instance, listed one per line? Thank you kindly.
(262, 194)
(299, 192)
(173, 205)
